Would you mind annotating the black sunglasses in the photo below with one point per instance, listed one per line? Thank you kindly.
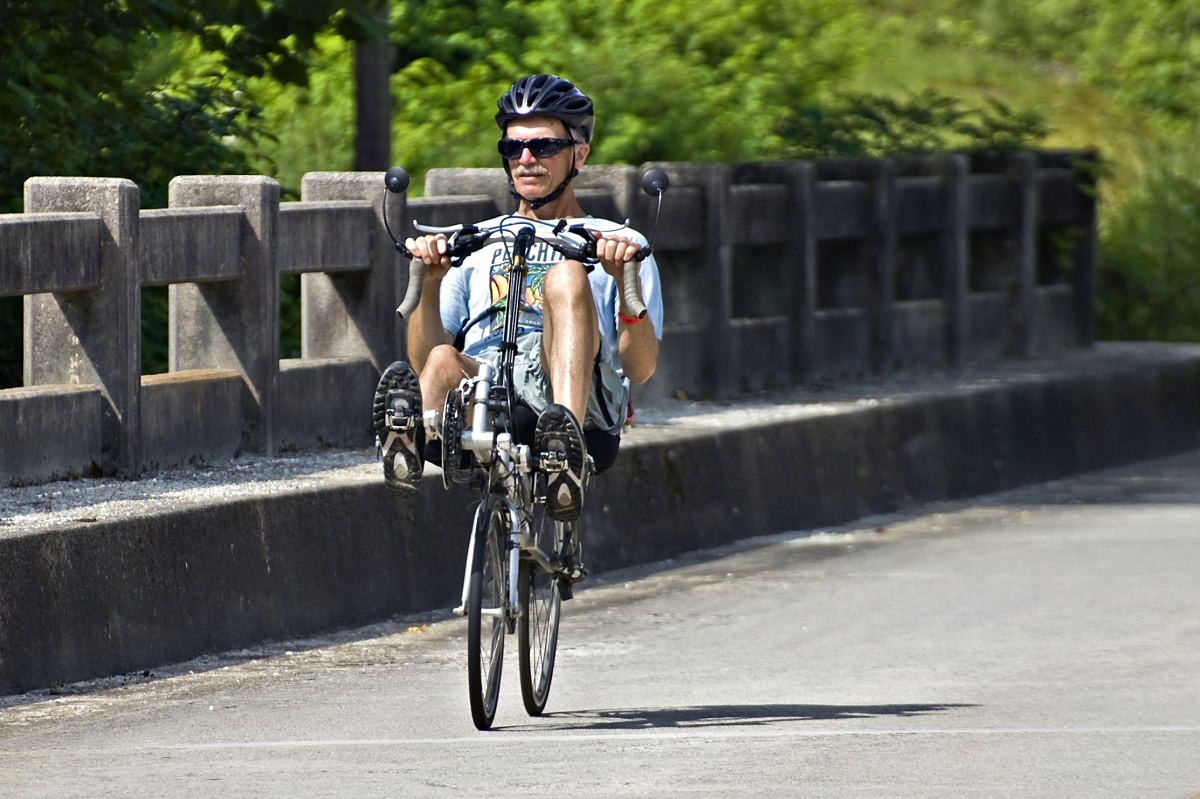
(540, 147)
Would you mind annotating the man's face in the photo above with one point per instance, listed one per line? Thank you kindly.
(537, 177)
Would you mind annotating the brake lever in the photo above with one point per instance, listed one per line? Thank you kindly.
(587, 250)
(463, 243)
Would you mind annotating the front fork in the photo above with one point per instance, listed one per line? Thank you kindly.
(516, 536)
(514, 563)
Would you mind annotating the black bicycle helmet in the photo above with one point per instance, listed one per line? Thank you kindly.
(548, 96)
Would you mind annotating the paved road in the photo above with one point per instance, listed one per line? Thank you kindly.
(1044, 642)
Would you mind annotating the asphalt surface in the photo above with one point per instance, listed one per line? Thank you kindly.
(1041, 642)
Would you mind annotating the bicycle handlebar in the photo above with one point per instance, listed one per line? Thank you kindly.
(462, 240)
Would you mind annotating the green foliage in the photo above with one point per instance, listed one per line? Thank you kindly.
(11, 333)
(723, 80)
(1144, 54)
(272, 38)
(727, 77)
(457, 33)
(155, 357)
(146, 89)
(219, 86)
(1148, 282)
(306, 128)
(72, 115)
(925, 122)
(1123, 77)
(289, 316)
(1148, 55)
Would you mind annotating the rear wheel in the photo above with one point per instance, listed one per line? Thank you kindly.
(486, 599)
(537, 629)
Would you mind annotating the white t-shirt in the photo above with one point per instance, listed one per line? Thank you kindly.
(471, 289)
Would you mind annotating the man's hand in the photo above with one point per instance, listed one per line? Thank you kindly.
(615, 253)
(636, 343)
(432, 250)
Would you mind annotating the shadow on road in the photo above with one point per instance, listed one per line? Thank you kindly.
(727, 715)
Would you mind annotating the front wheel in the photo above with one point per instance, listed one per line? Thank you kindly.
(487, 594)
(537, 630)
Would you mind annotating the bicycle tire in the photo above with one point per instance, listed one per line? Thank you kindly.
(486, 610)
(537, 628)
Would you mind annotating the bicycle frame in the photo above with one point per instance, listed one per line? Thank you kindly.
(508, 463)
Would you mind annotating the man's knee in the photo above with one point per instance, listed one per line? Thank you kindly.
(443, 367)
(566, 280)
(440, 358)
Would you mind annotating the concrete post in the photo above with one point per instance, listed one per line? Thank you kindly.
(695, 219)
(94, 336)
(955, 173)
(235, 324)
(798, 268)
(485, 181)
(623, 184)
(878, 251)
(718, 271)
(1022, 175)
(1083, 275)
(804, 287)
(881, 265)
(354, 314)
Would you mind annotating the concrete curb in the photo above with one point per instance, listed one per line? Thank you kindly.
(94, 597)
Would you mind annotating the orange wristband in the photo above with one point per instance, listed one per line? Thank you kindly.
(629, 320)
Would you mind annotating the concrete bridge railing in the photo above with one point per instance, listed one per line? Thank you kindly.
(774, 274)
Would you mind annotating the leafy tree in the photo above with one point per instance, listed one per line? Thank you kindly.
(308, 127)
(73, 115)
(144, 89)
(688, 81)
(1148, 285)
(97, 89)
(722, 80)
(11, 320)
(923, 122)
(1145, 54)
(268, 85)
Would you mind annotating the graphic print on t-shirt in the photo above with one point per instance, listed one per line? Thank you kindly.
(532, 299)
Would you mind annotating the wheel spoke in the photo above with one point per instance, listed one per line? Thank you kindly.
(486, 625)
(538, 627)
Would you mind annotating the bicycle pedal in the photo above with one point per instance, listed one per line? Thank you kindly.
(399, 415)
(551, 462)
(571, 570)
(400, 423)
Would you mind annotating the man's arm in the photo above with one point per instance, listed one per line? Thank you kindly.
(636, 343)
(425, 329)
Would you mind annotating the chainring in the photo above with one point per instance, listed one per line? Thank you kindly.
(453, 419)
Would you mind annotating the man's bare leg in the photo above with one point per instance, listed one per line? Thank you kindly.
(570, 340)
(443, 370)
(570, 335)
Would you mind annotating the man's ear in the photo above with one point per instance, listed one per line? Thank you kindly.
(581, 153)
